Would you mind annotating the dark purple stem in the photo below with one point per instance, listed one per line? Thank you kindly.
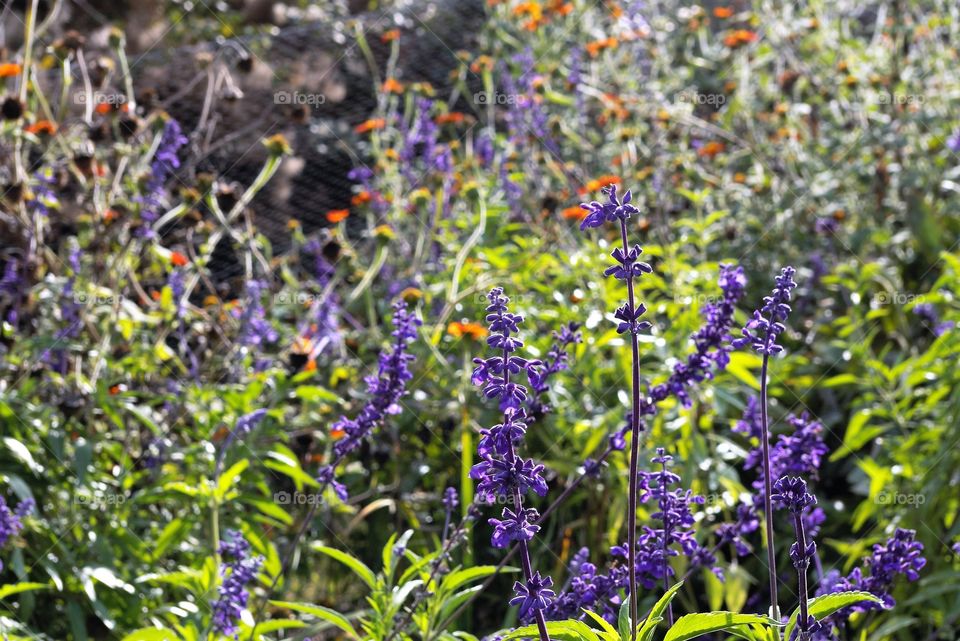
(767, 491)
(802, 621)
(634, 441)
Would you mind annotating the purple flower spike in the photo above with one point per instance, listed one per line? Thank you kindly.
(238, 570)
(501, 473)
(767, 323)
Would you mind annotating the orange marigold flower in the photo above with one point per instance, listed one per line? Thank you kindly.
(711, 149)
(454, 117)
(722, 12)
(370, 125)
(599, 183)
(531, 9)
(474, 331)
(390, 36)
(110, 215)
(482, 63)
(336, 215)
(594, 48)
(575, 212)
(739, 38)
(42, 127)
(360, 199)
(178, 259)
(10, 69)
(560, 7)
(392, 85)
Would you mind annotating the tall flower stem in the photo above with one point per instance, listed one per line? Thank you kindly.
(767, 490)
(802, 576)
(634, 449)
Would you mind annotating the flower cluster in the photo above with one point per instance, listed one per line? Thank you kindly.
(238, 570)
(501, 472)
(255, 328)
(11, 521)
(385, 391)
(900, 555)
(165, 162)
(762, 330)
(555, 361)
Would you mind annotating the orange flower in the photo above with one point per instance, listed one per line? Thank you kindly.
(711, 149)
(454, 117)
(370, 125)
(360, 199)
(110, 215)
(337, 434)
(575, 212)
(482, 63)
(336, 215)
(594, 48)
(722, 12)
(42, 127)
(10, 69)
(390, 36)
(598, 184)
(392, 85)
(474, 331)
(560, 7)
(178, 259)
(740, 37)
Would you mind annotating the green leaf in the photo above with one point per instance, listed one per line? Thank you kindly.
(328, 615)
(623, 619)
(571, 630)
(17, 588)
(457, 579)
(823, 606)
(609, 633)
(152, 634)
(664, 601)
(692, 626)
(358, 567)
(227, 479)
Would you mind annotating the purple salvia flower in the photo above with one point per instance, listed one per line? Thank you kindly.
(953, 142)
(767, 323)
(385, 391)
(927, 313)
(238, 570)
(555, 361)
(165, 162)
(255, 328)
(502, 473)
(736, 533)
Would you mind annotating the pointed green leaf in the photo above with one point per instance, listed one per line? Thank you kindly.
(827, 604)
(609, 632)
(692, 626)
(328, 615)
(358, 567)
